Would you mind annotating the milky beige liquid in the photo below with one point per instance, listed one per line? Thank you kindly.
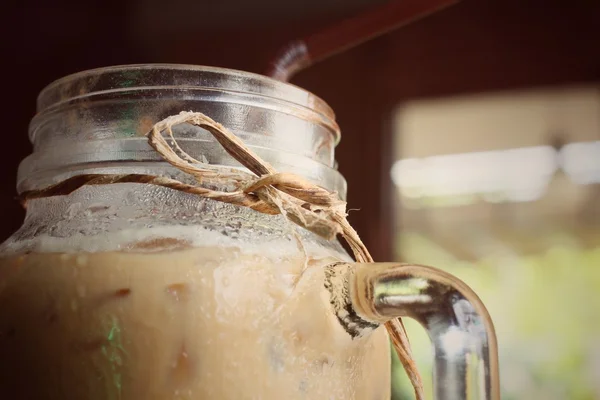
(195, 323)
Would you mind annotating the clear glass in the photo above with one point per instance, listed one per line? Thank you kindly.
(131, 291)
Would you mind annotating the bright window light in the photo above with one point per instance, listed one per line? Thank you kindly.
(520, 174)
(581, 162)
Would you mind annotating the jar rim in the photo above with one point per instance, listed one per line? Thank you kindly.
(90, 82)
(95, 119)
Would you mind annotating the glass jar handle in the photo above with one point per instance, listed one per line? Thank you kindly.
(458, 324)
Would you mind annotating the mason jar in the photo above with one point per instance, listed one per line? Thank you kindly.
(133, 291)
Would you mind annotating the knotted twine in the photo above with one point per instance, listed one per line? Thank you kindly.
(265, 190)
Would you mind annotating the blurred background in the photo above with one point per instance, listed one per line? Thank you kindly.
(470, 141)
(503, 190)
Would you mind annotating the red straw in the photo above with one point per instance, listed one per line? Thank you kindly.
(303, 53)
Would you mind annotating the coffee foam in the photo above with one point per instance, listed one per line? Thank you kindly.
(129, 240)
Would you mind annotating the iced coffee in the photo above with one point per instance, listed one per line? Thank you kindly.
(165, 319)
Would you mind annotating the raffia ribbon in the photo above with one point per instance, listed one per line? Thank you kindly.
(265, 190)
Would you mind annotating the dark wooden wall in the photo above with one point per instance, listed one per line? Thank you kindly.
(475, 46)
